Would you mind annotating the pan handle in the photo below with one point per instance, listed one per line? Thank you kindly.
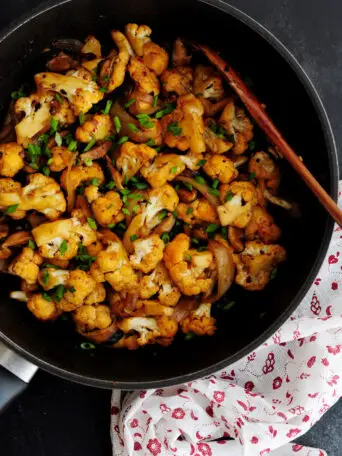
(15, 374)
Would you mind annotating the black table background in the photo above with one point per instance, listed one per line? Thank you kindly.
(57, 418)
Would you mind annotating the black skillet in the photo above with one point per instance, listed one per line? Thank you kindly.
(296, 109)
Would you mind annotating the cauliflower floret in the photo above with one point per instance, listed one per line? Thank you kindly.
(186, 267)
(155, 58)
(208, 83)
(163, 169)
(50, 278)
(160, 329)
(199, 322)
(81, 93)
(42, 308)
(106, 207)
(256, 263)
(89, 318)
(78, 286)
(221, 168)
(236, 123)
(11, 159)
(42, 194)
(113, 266)
(92, 46)
(38, 109)
(26, 265)
(161, 198)
(133, 156)
(82, 173)
(147, 254)
(138, 36)
(264, 168)
(61, 239)
(159, 282)
(198, 211)
(145, 78)
(178, 80)
(262, 227)
(122, 307)
(184, 127)
(180, 55)
(240, 198)
(215, 142)
(61, 157)
(97, 295)
(96, 128)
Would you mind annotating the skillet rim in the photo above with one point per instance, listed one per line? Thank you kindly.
(291, 60)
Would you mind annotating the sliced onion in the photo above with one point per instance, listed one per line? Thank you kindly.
(184, 307)
(68, 44)
(125, 119)
(165, 226)
(116, 176)
(100, 335)
(133, 229)
(202, 188)
(19, 296)
(97, 152)
(70, 187)
(82, 204)
(36, 219)
(225, 268)
(277, 201)
(19, 238)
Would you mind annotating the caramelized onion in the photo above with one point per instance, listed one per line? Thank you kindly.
(36, 219)
(99, 335)
(225, 268)
(116, 176)
(184, 307)
(18, 238)
(133, 229)
(97, 152)
(202, 188)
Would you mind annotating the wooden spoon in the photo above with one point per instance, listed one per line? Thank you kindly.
(257, 111)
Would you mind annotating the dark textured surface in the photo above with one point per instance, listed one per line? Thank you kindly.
(55, 417)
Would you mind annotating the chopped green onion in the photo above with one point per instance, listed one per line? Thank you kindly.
(140, 185)
(212, 227)
(46, 276)
(214, 191)
(162, 214)
(122, 140)
(108, 106)
(188, 257)
(165, 237)
(103, 89)
(59, 98)
(174, 169)
(215, 183)
(169, 107)
(190, 335)
(46, 171)
(228, 306)
(72, 289)
(274, 273)
(133, 127)
(251, 176)
(32, 244)
(92, 223)
(111, 225)
(17, 94)
(175, 129)
(195, 241)
(63, 247)
(133, 237)
(54, 125)
(59, 293)
(110, 185)
(81, 118)
(135, 209)
(252, 145)
(129, 103)
(151, 142)
(11, 209)
(125, 191)
(49, 265)
(224, 232)
(200, 179)
(88, 161)
(72, 145)
(155, 101)
(125, 211)
(145, 120)
(135, 196)
(175, 215)
(117, 124)
(188, 186)
(50, 161)
(87, 346)
(229, 196)
(201, 162)
(46, 297)
(89, 145)
(95, 181)
(189, 211)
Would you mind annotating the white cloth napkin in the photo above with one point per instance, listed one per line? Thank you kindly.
(263, 401)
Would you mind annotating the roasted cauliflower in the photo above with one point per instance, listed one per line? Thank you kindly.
(43, 307)
(147, 253)
(262, 227)
(96, 128)
(78, 286)
(26, 265)
(133, 156)
(61, 157)
(236, 123)
(199, 322)
(198, 211)
(163, 169)
(221, 168)
(106, 207)
(92, 317)
(11, 159)
(159, 282)
(159, 330)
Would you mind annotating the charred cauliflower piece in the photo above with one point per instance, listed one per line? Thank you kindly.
(147, 253)
(177, 80)
(208, 83)
(216, 143)
(42, 194)
(133, 156)
(262, 227)
(180, 55)
(256, 263)
(79, 88)
(96, 296)
(265, 169)
(112, 265)
(61, 239)
(42, 308)
(38, 110)
(159, 282)
(106, 207)
(82, 173)
(163, 169)
(116, 65)
(155, 58)
(61, 157)
(96, 128)
(198, 211)
(187, 267)
(78, 286)
(89, 318)
(145, 79)
(199, 322)
(11, 159)
(221, 168)
(236, 123)
(240, 198)
(150, 330)
(50, 277)
(26, 265)
(92, 46)
(138, 36)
